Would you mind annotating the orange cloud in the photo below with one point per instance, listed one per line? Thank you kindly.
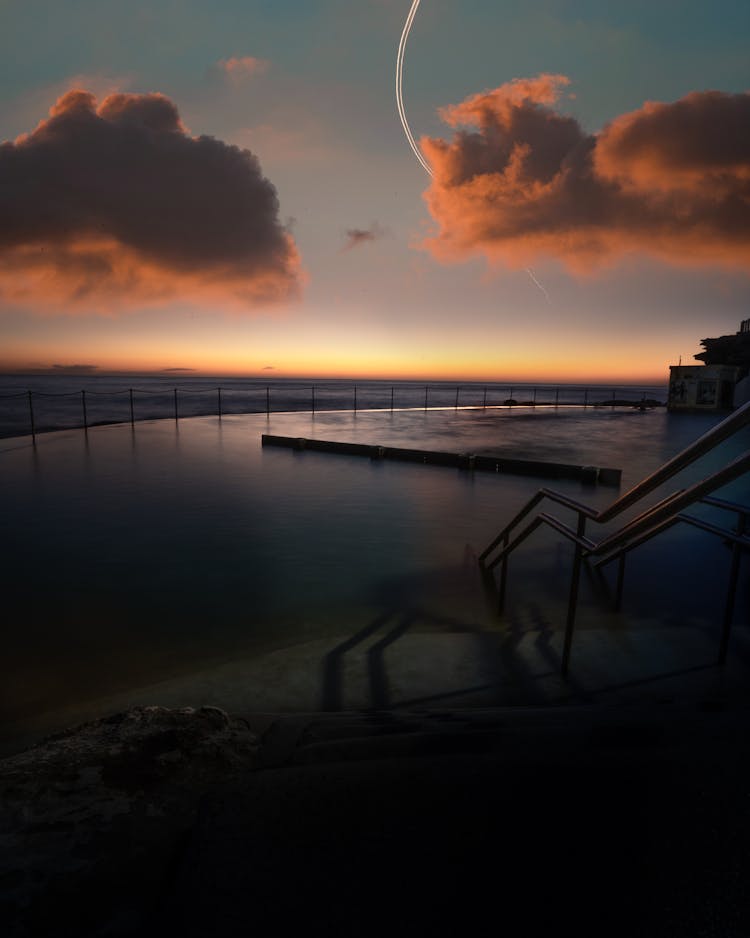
(668, 180)
(699, 142)
(116, 206)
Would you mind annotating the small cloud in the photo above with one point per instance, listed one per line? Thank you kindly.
(240, 67)
(269, 368)
(75, 369)
(355, 237)
(178, 369)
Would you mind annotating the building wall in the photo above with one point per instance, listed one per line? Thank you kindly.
(702, 387)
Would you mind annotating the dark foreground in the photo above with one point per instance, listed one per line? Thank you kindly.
(620, 821)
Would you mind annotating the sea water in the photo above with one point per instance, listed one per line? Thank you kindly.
(134, 555)
(61, 401)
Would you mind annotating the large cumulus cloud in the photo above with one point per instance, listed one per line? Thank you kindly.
(114, 205)
(668, 180)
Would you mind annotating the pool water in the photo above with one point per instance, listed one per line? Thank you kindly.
(139, 555)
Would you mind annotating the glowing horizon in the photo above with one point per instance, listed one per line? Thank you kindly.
(574, 372)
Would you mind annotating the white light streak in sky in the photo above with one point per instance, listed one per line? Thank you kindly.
(402, 111)
(399, 88)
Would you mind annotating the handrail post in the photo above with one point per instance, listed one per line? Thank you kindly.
(557, 396)
(132, 417)
(585, 398)
(355, 398)
(731, 591)
(484, 400)
(175, 404)
(219, 390)
(503, 577)
(533, 403)
(268, 400)
(313, 398)
(620, 581)
(31, 419)
(456, 407)
(391, 398)
(573, 597)
(425, 397)
(85, 418)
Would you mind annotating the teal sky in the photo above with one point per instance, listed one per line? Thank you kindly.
(320, 115)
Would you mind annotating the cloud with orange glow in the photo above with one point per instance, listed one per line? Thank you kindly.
(114, 206)
(668, 180)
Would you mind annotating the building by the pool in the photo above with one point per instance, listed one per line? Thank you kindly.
(722, 382)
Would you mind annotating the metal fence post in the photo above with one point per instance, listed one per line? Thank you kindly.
(313, 398)
(731, 590)
(219, 390)
(457, 390)
(620, 581)
(425, 397)
(268, 400)
(557, 396)
(31, 418)
(175, 404)
(585, 397)
(85, 418)
(132, 417)
(503, 577)
(355, 398)
(573, 597)
(484, 400)
(391, 398)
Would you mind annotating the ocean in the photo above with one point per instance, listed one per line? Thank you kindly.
(180, 562)
(58, 401)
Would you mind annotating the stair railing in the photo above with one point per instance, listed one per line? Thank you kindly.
(653, 519)
(738, 538)
(700, 447)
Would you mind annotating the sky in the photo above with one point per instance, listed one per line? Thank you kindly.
(226, 188)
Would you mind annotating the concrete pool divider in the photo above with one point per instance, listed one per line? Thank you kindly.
(470, 461)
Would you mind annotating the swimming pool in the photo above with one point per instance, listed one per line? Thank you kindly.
(139, 556)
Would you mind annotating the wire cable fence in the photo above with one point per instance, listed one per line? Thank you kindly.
(31, 411)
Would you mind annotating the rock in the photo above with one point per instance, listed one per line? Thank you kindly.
(99, 810)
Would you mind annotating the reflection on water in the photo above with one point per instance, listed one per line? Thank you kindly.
(634, 441)
(135, 554)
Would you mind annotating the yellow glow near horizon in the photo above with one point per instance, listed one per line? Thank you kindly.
(435, 366)
(358, 348)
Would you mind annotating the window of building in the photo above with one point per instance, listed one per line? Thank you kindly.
(706, 392)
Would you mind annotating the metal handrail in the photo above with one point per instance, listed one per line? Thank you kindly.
(640, 529)
(704, 444)
(726, 505)
(648, 521)
(743, 540)
(738, 539)
(690, 496)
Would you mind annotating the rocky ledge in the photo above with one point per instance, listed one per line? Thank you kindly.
(92, 818)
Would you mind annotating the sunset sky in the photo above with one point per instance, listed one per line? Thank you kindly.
(589, 215)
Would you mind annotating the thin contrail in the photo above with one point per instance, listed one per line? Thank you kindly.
(402, 111)
(530, 272)
(399, 91)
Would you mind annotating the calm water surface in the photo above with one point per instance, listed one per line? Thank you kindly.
(131, 555)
